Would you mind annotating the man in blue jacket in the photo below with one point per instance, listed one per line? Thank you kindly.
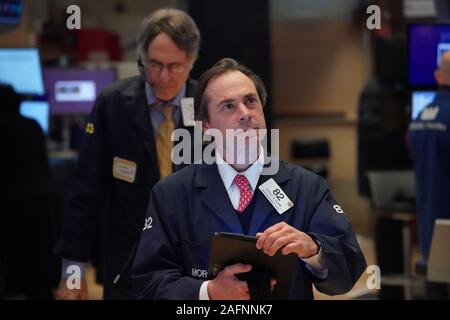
(187, 208)
(430, 147)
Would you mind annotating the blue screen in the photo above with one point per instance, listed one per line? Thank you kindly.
(427, 42)
(37, 110)
(419, 100)
(21, 68)
(11, 11)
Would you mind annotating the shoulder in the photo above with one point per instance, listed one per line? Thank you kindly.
(183, 178)
(191, 84)
(30, 124)
(295, 171)
(130, 84)
(304, 181)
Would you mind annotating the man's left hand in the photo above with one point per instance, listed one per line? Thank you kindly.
(282, 235)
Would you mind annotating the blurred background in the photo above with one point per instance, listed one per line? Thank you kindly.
(342, 96)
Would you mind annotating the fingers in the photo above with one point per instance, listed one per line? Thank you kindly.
(226, 286)
(303, 248)
(262, 237)
(279, 242)
(282, 234)
(64, 293)
(243, 290)
(237, 268)
(290, 248)
(273, 282)
(271, 240)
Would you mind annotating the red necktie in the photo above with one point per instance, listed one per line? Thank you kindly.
(245, 192)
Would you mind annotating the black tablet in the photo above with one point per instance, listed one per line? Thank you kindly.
(231, 248)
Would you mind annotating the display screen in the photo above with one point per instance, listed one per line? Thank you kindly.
(11, 11)
(21, 68)
(37, 110)
(75, 90)
(426, 44)
(419, 100)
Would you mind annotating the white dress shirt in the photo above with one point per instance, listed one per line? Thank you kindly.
(228, 173)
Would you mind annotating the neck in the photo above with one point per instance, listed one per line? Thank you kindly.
(239, 167)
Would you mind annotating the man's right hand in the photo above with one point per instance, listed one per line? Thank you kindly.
(64, 293)
(226, 286)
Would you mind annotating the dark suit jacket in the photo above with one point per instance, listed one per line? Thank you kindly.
(120, 126)
(189, 206)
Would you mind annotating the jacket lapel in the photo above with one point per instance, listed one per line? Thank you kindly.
(215, 196)
(263, 208)
(136, 103)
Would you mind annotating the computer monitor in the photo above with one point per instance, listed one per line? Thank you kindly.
(392, 188)
(21, 68)
(426, 44)
(37, 110)
(439, 260)
(11, 11)
(419, 100)
(75, 90)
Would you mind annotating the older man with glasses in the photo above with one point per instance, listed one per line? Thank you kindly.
(126, 150)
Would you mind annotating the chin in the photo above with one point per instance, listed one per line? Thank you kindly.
(165, 95)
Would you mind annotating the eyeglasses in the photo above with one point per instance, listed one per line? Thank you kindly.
(174, 68)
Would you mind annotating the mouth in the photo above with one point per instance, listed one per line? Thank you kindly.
(241, 130)
(164, 87)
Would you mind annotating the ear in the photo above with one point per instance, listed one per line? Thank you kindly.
(205, 125)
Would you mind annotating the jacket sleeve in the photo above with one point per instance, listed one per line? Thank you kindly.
(88, 190)
(158, 271)
(343, 257)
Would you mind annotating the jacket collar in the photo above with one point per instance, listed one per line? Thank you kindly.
(215, 195)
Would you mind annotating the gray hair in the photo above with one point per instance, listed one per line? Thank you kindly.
(178, 25)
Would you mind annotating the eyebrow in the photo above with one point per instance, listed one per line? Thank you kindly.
(225, 101)
(248, 95)
(159, 62)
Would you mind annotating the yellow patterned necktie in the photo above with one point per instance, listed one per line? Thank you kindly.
(163, 142)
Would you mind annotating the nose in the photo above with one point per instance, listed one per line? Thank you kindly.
(244, 115)
(164, 74)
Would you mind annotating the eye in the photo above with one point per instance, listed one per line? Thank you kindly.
(228, 106)
(176, 67)
(154, 65)
(251, 101)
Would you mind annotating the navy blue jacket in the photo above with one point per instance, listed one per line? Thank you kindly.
(189, 206)
(121, 127)
(430, 146)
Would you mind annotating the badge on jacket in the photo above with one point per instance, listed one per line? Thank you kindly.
(187, 111)
(124, 169)
(276, 196)
(90, 128)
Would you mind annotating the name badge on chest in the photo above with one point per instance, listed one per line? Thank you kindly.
(124, 169)
(276, 196)
(187, 111)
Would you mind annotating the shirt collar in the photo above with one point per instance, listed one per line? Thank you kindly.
(151, 99)
(227, 172)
